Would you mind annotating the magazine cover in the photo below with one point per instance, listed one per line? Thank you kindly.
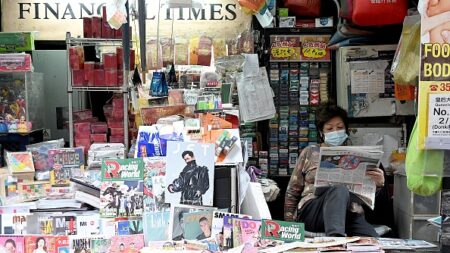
(121, 191)
(176, 226)
(156, 226)
(156, 246)
(247, 232)
(65, 163)
(81, 243)
(108, 227)
(136, 226)
(46, 225)
(20, 162)
(100, 245)
(123, 227)
(228, 147)
(283, 230)
(40, 153)
(197, 225)
(64, 225)
(218, 222)
(227, 232)
(47, 244)
(13, 224)
(154, 184)
(152, 140)
(88, 224)
(190, 174)
(13, 244)
(126, 243)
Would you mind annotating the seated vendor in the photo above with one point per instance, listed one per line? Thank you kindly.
(334, 211)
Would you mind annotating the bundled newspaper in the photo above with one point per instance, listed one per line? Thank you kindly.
(347, 165)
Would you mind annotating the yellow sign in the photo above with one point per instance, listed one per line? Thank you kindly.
(282, 52)
(314, 53)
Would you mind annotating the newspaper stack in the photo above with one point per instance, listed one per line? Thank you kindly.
(347, 165)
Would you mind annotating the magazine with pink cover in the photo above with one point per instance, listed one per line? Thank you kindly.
(13, 242)
(46, 244)
(250, 234)
(126, 243)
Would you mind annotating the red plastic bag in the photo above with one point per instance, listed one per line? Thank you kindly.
(378, 13)
(305, 8)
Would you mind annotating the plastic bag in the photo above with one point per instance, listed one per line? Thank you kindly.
(407, 58)
(424, 168)
(159, 85)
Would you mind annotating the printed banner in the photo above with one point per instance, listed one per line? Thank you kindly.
(310, 48)
(434, 85)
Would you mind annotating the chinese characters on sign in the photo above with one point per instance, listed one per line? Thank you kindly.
(299, 48)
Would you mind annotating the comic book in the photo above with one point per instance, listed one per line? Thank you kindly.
(190, 173)
(88, 224)
(65, 163)
(13, 224)
(64, 225)
(80, 243)
(250, 234)
(218, 222)
(154, 184)
(228, 232)
(47, 244)
(121, 191)
(126, 243)
(197, 225)
(10, 242)
(100, 245)
(283, 230)
(177, 211)
(156, 226)
(19, 162)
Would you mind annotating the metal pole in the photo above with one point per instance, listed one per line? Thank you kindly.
(69, 91)
(142, 15)
(126, 65)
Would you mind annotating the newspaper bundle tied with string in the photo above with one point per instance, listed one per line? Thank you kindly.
(347, 165)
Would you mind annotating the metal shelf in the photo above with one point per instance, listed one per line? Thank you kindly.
(102, 88)
(99, 41)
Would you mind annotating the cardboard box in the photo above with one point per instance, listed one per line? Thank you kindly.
(16, 42)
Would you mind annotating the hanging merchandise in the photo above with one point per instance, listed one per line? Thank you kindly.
(117, 13)
(233, 46)
(193, 50)
(246, 42)
(158, 86)
(204, 51)
(374, 13)
(181, 51)
(407, 58)
(260, 9)
(424, 168)
(172, 76)
(167, 46)
(154, 52)
(305, 8)
(220, 48)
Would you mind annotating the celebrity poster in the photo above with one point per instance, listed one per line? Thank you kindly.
(190, 174)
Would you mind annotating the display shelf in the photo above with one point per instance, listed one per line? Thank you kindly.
(299, 30)
(70, 41)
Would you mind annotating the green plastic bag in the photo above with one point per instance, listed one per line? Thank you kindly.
(424, 168)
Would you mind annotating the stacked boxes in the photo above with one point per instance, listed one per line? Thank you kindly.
(299, 88)
(115, 121)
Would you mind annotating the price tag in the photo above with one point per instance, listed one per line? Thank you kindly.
(439, 115)
(314, 53)
(282, 52)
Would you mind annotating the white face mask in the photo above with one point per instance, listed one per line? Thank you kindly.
(335, 138)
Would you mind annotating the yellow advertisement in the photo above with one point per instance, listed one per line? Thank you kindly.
(434, 85)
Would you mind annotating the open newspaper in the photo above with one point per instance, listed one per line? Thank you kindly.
(347, 165)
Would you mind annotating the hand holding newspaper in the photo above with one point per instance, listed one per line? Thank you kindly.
(347, 165)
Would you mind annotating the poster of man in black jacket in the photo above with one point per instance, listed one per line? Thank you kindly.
(192, 182)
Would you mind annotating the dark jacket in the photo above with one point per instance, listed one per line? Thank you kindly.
(193, 178)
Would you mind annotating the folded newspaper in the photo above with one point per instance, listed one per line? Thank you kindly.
(347, 165)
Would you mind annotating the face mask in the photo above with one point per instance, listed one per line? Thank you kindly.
(335, 138)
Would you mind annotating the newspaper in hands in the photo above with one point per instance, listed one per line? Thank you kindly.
(347, 165)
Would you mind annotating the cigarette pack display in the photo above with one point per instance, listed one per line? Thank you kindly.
(99, 128)
(110, 61)
(78, 78)
(96, 27)
(111, 77)
(99, 77)
(87, 27)
(82, 128)
(98, 138)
